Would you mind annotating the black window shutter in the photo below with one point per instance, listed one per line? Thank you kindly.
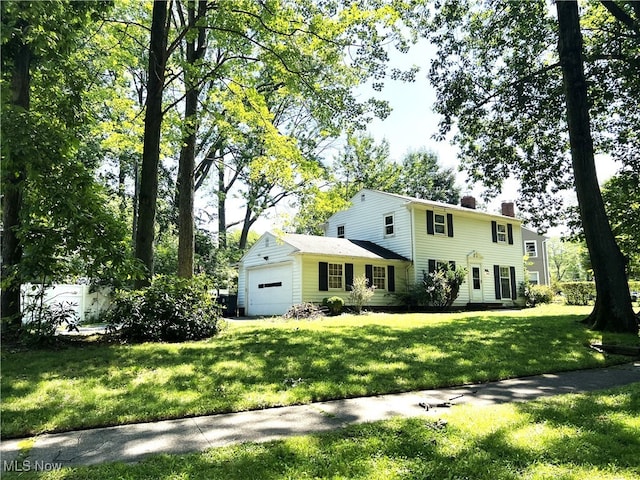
(510, 233)
(496, 279)
(391, 281)
(432, 266)
(494, 232)
(430, 228)
(323, 276)
(450, 224)
(368, 272)
(348, 276)
(514, 290)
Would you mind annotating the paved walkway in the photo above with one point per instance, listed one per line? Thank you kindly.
(131, 443)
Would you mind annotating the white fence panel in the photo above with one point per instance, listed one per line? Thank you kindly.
(87, 304)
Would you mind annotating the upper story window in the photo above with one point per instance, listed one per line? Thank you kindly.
(335, 275)
(502, 232)
(531, 248)
(340, 231)
(389, 225)
(439, 223)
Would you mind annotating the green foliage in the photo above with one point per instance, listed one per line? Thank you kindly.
(536, 294)
(578, 293)
(41, 320)
(360, 293)
(621, 195)
(171, 309)
(438, 289)
(422, 177)
(335, 305)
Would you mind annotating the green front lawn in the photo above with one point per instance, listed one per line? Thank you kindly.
(571, 437)
(265, 363)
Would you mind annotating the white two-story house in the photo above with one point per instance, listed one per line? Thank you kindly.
(393, 240)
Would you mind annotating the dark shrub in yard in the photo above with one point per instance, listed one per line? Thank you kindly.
(172, 309)
(334, 304)
(536, 294)
(578, 293)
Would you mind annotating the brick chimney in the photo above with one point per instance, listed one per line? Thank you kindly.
(468, 202)
(508, 209)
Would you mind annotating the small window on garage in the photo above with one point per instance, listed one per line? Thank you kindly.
(335, 275)
(340, 231)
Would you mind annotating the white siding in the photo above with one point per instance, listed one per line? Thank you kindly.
(472, 243)
(364, 220)
(268, 250)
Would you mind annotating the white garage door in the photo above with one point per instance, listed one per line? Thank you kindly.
(270, 290)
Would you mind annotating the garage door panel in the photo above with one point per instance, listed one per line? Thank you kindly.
(270, 290)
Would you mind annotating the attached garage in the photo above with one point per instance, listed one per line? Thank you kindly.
(280, 271)
(269, 289)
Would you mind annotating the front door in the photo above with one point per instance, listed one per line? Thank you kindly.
(475, 275)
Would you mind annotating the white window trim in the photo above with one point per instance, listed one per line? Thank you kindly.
(502, 286)
(382, 275)
(341, 276)
(535, 248)
(392, 224)
(536, 275)
(436, 223)
(501, 235)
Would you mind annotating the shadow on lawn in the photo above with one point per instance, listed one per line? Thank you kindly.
(278, 366)
(568, 437)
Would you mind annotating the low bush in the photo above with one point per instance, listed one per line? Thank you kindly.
(437, 289)
(361, 293)
(171, 309)
(537, 294)
(578, 293)
(334, 304)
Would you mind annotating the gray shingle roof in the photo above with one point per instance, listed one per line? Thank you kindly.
(340, 247)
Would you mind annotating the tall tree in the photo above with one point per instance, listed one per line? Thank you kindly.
(60, 222)
(613, 309)
(195, 50)
(499, 80)
(422, 177)
(158, 56)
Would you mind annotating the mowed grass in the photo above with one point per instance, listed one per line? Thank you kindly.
(582, 437)
(258, 364)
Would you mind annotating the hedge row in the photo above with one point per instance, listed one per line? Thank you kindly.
(581, 293)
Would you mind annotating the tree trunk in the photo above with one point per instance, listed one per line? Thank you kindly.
(147, 196)
(13, 177)
(186, 168)
(613, 310)
(222, 207)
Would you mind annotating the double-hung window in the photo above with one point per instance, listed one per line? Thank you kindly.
(340, 231)
(502, 233)
(531, 248)
(379, 277)
(439, 223)
(335, 275)
(389, 225)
